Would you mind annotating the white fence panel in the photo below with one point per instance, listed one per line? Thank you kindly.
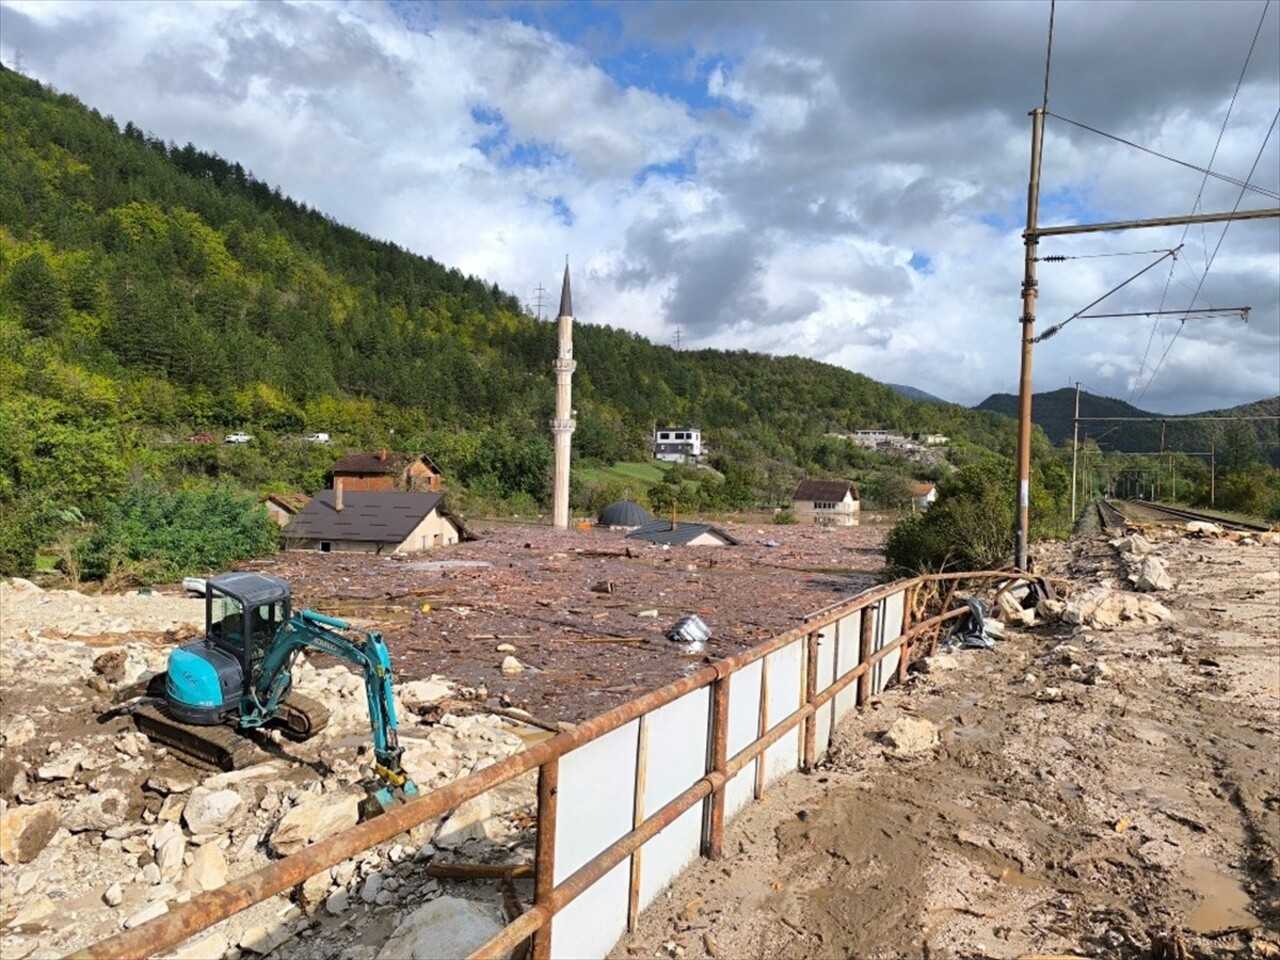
(744, 728)
(786, 677)
(888, 629)
(596, 805)
(846, 660)
(679, 739)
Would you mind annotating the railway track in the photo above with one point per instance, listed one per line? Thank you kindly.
(1114, 513)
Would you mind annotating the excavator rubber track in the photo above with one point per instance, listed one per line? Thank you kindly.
(301, 717)
(222, 745)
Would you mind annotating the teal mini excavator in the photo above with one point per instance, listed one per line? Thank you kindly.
(239, 677)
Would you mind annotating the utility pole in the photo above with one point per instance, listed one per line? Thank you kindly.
(539, 298)
(1031, 238)
(1213, 470)
(1031, 247)
(1084, 469)
(1075, 443)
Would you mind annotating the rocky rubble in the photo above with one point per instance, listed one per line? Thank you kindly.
(102, 830)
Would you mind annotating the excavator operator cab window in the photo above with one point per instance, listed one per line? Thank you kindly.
(226, 622)
(266, 621)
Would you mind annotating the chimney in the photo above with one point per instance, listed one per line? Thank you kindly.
(382, 454)
(337, 494)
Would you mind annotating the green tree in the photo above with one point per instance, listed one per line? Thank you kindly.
(38, 294)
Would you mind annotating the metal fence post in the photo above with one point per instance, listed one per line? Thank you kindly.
(904, 654)
(865, 642)
(762, 725)
(811, 691)
(714, 845)
(544, 878)
(637, 818)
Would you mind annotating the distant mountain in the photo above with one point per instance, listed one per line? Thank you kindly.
(915, 393)
(1054, 412)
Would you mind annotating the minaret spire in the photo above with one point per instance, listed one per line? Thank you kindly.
(566, 296)
(563, 425)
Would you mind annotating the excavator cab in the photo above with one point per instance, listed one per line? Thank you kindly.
(208, 678)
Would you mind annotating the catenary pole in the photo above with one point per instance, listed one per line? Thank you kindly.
(1031, 249)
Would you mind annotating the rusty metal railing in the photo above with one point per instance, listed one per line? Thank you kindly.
(206, 909)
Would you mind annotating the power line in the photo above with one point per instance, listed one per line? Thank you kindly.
(1225, 227)
(1050, 331)
(1200, 193)
(1060, 257)
(1243, 184)
(1048, 57)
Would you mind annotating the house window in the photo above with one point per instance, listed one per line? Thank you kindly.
(326, 546)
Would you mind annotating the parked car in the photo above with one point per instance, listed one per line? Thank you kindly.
(200, 438)
(238, 438)
(318, 438)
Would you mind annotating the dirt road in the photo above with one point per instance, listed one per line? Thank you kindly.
(1096, 792)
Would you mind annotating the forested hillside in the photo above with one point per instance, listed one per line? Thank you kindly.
(1054, 412)
(151, 291)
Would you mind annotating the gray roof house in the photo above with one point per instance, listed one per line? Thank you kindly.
(683, 534)
(372, 521)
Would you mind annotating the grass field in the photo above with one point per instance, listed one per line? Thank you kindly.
(647, 473)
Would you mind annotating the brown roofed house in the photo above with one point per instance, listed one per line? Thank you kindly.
(406, 472)
(833, 503)
(283, 507)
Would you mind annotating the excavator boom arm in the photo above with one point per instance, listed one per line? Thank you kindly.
(309, 630)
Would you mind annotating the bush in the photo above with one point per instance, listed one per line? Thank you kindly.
(784, 517)
(20, 537)
(165, 536)
(970, 527)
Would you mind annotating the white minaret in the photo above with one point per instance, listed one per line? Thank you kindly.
(562, 426)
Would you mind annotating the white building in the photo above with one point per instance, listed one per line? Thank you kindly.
(677, 444)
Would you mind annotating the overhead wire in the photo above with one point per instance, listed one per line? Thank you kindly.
(1050, 331)
(1059, 257)
(1243, 184)
(1222, 236)
(1200, 194)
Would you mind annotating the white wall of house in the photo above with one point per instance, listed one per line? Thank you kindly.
(433, 531)
(707, 539)
(841, 514)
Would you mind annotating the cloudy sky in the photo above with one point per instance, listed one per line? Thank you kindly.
(845, 181)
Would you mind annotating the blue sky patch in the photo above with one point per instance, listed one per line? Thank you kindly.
(921, 263)
(561, 209)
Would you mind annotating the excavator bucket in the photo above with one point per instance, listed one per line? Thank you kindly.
(381, 796)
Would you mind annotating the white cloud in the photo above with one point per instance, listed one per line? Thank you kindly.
(770, 189)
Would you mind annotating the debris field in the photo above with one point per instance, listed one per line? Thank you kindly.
(579, 617)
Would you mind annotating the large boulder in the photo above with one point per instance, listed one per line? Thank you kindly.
(170, 847)
(1104, 608)
(211, 811)
(447, 928)
(909, 736)
(469, 822)
(97, 811)
(314, 818)
(420, 693)
(26, 829)
(1152, 576)
(208, 869)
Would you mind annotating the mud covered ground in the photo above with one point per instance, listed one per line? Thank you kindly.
(584, 612)
(1095, 792)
